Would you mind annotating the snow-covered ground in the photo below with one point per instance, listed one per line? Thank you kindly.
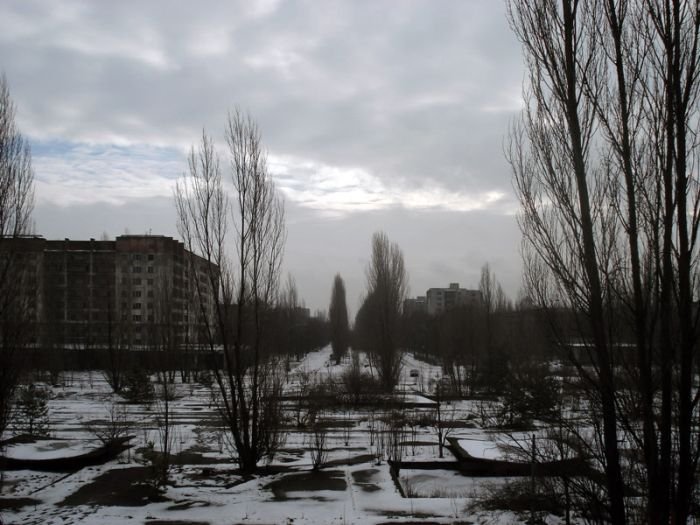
(481, 448)
(353, 488)
(48, 449)
(445, 484)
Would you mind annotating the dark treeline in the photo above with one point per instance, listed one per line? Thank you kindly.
(475, 354)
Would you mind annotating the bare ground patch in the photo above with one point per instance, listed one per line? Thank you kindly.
(123, 487)
(308, 482)
(17, 503)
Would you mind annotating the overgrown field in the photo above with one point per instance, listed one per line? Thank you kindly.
(334, 465)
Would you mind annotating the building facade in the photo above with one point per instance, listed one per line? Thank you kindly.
(439, 300)
(99, 293)
(415, 305)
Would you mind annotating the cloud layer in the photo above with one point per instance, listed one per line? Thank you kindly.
(369, 109)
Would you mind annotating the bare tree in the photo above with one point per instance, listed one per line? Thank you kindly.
(16, 205)
(166, 345)
(458, 339)
(289, 323)
(604, 161)
(241, 239)
(347, 426)
(443, 424)
(494, 304)
(118, 342)
(358, 385)
(318, 446)
(492, 295)
(115, 426)
(394, 436)
(305, 380)
(338, 314)
(554, 164)
(380, 314)
(165, 336)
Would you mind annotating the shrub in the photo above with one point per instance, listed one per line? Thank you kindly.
(32, 410)
(138, 387)
(318, 444)
(530, 393)
(359, 386)
(114, 427)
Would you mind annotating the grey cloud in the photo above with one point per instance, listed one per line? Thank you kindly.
(361, 90)
(416, 94)
(439, 247)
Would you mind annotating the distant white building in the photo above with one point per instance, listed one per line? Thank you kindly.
(439, 300)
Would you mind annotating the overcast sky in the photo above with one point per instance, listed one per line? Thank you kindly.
(376, 115)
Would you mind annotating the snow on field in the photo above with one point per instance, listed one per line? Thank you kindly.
(316, 361)
(48, 449)
(353, 488)
(445, 484)
(481, 448)
(417, 399)
(322, 365)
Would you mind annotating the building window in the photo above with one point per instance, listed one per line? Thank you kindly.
(150, 293)
(151, 256)
(136, 269)
(150, 306)
(150, 282)
(137, 280)
(136, 306)
(137, 293)
(136, 257)
(136, 318)
(150, 269)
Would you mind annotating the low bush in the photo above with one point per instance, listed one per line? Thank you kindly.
(138, 387)
(359, 387)
(115, 426)
(31, 414)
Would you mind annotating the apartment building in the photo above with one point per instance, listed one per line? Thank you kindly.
(94, 293)
(415, 305)
(439, 300)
